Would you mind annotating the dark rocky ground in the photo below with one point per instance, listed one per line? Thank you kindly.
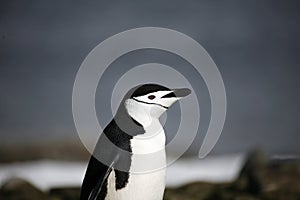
(260, 179)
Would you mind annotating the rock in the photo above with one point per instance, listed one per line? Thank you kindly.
(245, 198)
(65, 193)
(193, 191)
(18, 189)
(251, 176)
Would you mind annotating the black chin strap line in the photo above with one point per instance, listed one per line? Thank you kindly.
(165, 107)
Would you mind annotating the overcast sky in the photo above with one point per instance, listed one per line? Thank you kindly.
(255, 44)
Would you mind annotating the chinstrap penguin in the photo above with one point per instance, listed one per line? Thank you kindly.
(135, 129)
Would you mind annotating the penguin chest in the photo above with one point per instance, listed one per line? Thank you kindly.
(147, 171)
(148, 186)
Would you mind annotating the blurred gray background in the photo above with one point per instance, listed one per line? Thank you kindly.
(255, 44)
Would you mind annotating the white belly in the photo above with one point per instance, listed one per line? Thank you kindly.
(142, 186)
(139, 187)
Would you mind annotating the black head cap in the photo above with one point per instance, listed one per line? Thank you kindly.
(141, 90)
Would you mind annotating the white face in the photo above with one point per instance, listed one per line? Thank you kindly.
(155, 98)
(150, 106)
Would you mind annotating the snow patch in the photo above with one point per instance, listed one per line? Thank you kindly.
(47, 174)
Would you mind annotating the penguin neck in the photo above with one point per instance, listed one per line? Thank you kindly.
(141, 114)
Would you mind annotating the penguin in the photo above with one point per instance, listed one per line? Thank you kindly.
(136, 129)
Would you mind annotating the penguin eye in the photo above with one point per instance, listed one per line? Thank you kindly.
(151, 97)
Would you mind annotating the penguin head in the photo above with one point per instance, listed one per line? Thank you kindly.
(152, 100)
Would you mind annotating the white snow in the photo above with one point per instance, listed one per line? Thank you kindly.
(216, 169)
(47, 174)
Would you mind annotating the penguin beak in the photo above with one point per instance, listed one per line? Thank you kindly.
(182, 92)
(178, 93)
